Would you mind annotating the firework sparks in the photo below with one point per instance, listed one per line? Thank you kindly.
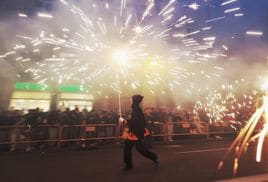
(194, 6)
(232, 10)
(228, 2)
(254, 33)
(246, 135)
(241, 142)
(22, 15)
(44, 15)
(225, 104)
(135, 40)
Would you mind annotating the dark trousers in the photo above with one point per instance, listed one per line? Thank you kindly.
(140, 148)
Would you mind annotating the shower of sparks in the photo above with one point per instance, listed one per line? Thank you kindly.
(125, 46)
(107, 41)
(226, 104)
(256, 128)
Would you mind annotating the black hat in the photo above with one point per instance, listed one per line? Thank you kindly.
(137, 98)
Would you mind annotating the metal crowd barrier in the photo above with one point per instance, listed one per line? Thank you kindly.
(58, 135)
(88, 132)
(24, 134)
(170, 131)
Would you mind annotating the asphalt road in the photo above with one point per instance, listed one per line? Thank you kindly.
(192, 160)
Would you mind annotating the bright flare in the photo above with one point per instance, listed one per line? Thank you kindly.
(121, 56)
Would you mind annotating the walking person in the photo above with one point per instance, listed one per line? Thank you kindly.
(136, 133)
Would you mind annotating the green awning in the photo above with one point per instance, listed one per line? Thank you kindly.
(74, 88)
(28, 86)
(32, 86)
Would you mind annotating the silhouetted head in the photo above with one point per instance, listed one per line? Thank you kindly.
(137, 99)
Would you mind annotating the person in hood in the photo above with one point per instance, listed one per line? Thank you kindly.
(136, 133)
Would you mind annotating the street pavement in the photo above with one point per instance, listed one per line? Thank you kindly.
(189, 160)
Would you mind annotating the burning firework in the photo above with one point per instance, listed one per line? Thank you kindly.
(227, 104)
(158, 45)
(256, 124)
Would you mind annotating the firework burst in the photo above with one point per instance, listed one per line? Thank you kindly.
(160, 45)
(255, 129)
(227, 104)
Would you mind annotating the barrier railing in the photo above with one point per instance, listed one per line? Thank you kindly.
(57, 135)
(170, 131)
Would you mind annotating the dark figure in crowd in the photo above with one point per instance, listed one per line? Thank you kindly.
(137, 130)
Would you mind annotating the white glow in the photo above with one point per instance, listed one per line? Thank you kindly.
(239, 14)
(121, 56)
(232, 10)
(194, 6)
(228, 2)
(22, 15)
(64, 2)
(138, 29)
(44, 15)
(254, 33)
(264, 87)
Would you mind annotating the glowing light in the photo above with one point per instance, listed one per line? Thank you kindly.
(215, 19)
(206, 28)
(263, 133)
(239, 14)
(228, 2)
(104, 35)
(22, 15)
(194, 6)
(138, 29)
(121, 56)
(44, 15)
(264, 86)
(235, 168)
(232, 10)
(254, 33)
(225, 47)
(209, 38)
(64, 2)
(241, 143)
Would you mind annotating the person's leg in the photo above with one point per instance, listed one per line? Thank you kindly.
(128, 154)
(144, 151)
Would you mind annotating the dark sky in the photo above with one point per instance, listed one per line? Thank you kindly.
(256, 14)
(255, 18)
(232, 30)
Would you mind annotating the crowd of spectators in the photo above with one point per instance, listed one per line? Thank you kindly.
(160, 121)
(37, 116)
(156, 115)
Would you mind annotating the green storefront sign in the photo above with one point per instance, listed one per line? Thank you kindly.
(28, 86)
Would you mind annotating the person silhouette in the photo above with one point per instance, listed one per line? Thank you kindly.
(136, 133)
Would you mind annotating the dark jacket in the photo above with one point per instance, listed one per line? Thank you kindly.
(137, 122)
